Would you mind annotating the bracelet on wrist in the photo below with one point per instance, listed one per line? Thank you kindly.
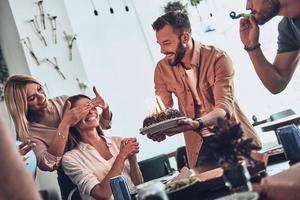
(200, 126)
(252, 48)
(61, 136)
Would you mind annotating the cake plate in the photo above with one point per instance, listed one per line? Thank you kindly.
(161, 126)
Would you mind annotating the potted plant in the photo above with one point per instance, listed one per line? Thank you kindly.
(195, 2)
(175, 6)
(232, 151)
(3, 75)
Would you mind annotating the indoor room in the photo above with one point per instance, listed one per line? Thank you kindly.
(136, 100)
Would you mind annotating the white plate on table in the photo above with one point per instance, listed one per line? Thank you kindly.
(161, 126)
(241, 196)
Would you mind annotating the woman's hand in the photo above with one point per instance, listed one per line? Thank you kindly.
(98, 101)
(129, 147)
(74, 115)
(187, 124)
(25, 147)
(249, 32)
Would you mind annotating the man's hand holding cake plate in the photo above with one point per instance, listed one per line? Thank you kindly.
(186, 124)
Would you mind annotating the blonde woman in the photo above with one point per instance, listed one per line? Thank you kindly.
(93, 158)
(40, 119)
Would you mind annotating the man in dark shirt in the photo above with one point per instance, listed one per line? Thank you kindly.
(275, 76)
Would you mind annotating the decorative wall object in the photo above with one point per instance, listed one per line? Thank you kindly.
(82, 85)
(195, 2)
(126, 6)
(206, 22)
(38, 24)
(52, 20)
(3, 75)
(27, 44)
(70, 38)
(46, 88)
(55, 65)
(111, 10)
(36, 28)
(42, 14)
(94, 7)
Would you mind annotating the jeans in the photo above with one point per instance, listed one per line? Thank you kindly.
(205, 160)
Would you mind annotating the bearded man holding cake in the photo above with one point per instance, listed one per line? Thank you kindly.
(201, 77)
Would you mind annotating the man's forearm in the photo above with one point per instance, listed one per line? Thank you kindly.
(211, 118)
(267, 72)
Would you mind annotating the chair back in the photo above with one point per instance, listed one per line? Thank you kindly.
(155, 167)
(279, 115)
(282, 114)
(289, 137)
(181, 158)
(273, 117)
(74, 194)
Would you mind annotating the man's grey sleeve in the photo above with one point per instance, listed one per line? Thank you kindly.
(287, 40)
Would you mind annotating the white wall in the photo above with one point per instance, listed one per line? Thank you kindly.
(11, 47)
(14, 25)
(115, 53)
(12, 50)
(22, 12)
(118, 62)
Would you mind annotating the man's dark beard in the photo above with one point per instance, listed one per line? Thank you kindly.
(273, 10)
(179, 54)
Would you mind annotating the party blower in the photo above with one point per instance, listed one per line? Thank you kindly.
(233, 15)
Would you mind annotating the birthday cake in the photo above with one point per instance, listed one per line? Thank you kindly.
(167, 114)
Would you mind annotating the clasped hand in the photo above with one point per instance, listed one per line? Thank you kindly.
(129, 148)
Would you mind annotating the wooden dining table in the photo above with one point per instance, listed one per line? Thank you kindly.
(212, 185)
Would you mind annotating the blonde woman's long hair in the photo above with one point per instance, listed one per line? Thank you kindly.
(16, 103)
